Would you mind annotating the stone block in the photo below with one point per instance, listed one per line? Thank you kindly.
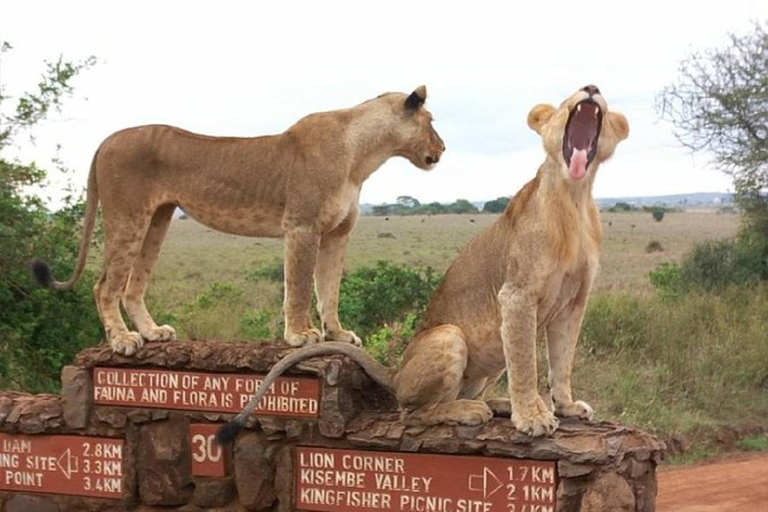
(164, 462)
(254, 471)
(76, 396)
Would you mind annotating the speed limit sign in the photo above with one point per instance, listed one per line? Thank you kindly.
(208, 457)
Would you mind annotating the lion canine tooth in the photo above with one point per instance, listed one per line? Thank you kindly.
(578, 107)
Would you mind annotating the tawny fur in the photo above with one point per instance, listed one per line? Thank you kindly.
(303, 185)
(526, 276)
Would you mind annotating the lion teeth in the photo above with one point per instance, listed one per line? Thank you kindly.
(578, 107)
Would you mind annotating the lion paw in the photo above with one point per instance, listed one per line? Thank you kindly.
(308, 337)
(535, 421)
(577, 409)
(127, 343)
(162, 333)
(344, 336)
(475, 412)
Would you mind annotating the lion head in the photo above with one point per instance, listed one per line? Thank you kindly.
(581, 133)
(417, 139)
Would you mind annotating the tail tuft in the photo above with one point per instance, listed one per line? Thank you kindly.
(228, 432)
(41, 272)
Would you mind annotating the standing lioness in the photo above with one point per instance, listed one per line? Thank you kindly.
(302, 184)
(529, 273)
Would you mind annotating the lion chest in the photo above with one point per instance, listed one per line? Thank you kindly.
(560, 291)
(338, 208)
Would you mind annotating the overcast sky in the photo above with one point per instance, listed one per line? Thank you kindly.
(254, 68)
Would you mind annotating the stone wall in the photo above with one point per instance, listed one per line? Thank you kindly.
(598, 466)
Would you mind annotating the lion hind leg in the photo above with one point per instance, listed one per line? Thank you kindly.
(133, 298)
(457, 412)
(429, 384)
(122, 242)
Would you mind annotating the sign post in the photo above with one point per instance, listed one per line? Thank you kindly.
(329, 480)
(74, 465)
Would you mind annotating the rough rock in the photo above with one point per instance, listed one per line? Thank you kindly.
(254, 471)
(27, 503)
(76, 396)
(164, 462)
(213, 492)
(609, 492)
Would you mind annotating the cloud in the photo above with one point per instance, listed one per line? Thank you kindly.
(251, 68)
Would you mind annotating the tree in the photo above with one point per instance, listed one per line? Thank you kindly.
(462, 206)
(720, 104)
(498, 205)
(408, 202)
(39, 330)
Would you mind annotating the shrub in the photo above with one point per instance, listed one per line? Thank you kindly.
(371, 297)
(715, 265)
(658, 213)
(273, 272)
(654, 246)
(261, 325)
(388, 343)
(40, 330)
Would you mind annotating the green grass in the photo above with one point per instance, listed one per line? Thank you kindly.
(677, 368)
(754, 444)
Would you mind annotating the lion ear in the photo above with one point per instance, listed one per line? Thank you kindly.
(539, 116)
(417, 98)
(619, 125)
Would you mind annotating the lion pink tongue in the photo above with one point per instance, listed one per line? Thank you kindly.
(578, 163)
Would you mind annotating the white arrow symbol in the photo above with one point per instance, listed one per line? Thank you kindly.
(484, 482)
(70, 464)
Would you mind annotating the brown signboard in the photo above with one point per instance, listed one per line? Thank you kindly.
(75, 465)
(208, 457)
(350, 481)
(206, 392)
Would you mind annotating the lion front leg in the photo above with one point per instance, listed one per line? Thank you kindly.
(530, 413)
(330, 265)
(562, 336)
(301, 246)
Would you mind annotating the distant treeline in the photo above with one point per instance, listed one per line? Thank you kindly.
(407, 205)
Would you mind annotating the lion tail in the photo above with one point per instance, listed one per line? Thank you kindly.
(378, 372)
(41, 271)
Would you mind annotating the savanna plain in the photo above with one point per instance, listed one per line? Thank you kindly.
(689, 368)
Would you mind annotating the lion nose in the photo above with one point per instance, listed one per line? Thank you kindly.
(591, 89)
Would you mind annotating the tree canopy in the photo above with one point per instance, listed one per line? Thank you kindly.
(720, 104)
(39, 330)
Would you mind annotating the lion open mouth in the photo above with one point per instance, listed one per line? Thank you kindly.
(580, 138)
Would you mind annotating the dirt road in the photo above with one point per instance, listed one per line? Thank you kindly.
(740, 484)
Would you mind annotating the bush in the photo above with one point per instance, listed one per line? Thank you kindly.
(715, 265)
(40, 330)
(612, 325)
(273, 272)
(679, 370)
(621, 207)
(654, 246)
(371, 297)
(658, 213)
